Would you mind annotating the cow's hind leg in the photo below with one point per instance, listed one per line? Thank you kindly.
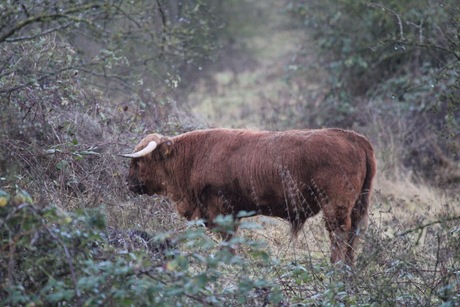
(359, 221)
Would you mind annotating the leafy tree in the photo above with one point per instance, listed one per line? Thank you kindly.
(114, 40)
(369, 43)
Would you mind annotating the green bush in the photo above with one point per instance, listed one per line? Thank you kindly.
(55, 257)
(368, 43)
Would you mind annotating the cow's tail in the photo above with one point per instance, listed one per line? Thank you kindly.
(359, 214)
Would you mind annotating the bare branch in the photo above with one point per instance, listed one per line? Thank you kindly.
(453, 218)
(45, 17)
(30, 37)
(400, 24)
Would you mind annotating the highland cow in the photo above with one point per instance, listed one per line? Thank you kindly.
(292, 175)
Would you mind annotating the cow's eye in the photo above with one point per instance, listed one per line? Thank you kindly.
(135, 164)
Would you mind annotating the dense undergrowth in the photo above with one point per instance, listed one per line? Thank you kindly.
(53, 256)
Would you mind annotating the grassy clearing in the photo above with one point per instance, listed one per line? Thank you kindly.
(239, 96)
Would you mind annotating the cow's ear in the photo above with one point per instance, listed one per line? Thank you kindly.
(167, 147)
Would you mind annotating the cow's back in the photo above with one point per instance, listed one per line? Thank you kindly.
(276, 172)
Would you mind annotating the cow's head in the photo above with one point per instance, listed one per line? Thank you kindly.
(147, 173)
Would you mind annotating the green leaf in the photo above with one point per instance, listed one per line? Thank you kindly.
(62, 164)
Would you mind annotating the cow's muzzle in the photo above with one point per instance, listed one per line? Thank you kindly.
(136, 186)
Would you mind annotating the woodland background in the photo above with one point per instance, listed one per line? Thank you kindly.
(82, 81)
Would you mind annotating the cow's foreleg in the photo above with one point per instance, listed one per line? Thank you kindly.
(214, 206)
(338, 223)
(226, 235)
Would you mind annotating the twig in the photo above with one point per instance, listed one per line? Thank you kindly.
(435, 266)
(44, 17)
(11, 263)
(15, 210)
(31, 37)
(41, 78)
(427, 225)
(69, 262)
(400, 24)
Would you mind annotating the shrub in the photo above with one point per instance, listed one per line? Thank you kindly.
(51, 256)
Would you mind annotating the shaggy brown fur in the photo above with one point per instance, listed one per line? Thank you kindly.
(292, 175)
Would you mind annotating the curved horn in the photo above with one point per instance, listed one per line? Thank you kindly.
(148, 149)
